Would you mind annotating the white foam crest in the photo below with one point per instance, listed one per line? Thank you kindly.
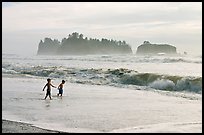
(9, 71)
(187, 84)
(162, 84)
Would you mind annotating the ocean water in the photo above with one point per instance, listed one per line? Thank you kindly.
(158, 72)
(95, 86)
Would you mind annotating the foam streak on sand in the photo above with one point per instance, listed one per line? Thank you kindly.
(188, 127)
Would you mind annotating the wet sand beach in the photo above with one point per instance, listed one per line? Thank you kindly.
(20, 127)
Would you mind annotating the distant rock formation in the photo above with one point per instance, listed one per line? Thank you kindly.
(76, 44)
(154, 49)
(48, 47)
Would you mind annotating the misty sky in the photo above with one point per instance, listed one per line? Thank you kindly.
(24, 24)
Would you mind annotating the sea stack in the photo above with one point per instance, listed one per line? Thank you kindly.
(155, 49)
(76, 44)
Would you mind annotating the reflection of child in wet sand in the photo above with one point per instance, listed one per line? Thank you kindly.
(48, 88)
(60, 88)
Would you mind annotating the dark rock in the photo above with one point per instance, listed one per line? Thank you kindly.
(148, 48)
(75, 44)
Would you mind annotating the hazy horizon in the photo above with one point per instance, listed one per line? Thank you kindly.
(179, 24)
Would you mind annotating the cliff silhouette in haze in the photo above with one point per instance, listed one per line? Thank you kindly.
(154, 49)
(76, 44)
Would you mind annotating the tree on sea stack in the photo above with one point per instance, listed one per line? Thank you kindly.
(76, 44)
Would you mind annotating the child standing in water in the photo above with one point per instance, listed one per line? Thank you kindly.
(48, 88)
(60, 88)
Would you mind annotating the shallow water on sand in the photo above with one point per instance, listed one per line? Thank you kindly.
(93, 108)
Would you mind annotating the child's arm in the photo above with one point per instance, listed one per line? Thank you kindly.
(59, 86)
(53, 86)
(44, 87)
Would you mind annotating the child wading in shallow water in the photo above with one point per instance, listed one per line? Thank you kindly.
(48, 88)
(60, 88)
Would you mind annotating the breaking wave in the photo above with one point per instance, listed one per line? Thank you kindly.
(164, 82)
(113, 77)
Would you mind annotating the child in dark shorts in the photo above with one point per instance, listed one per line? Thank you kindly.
(48, 85)
(60, 88)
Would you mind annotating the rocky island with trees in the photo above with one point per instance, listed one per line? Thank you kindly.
(76, 44)
(155, 49)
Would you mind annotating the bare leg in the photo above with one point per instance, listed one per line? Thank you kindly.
(50, 97)
(45, 97)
